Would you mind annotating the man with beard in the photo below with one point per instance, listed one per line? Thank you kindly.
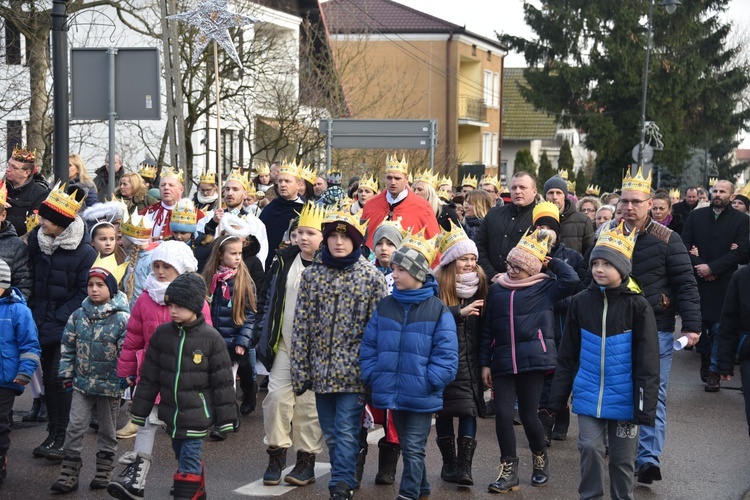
(717, 238)
(684, 207)
(282, 209)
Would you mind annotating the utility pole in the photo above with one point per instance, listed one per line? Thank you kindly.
(175, 111)
(61, 142)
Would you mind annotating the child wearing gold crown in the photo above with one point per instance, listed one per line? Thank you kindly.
(409, 354)
(609, 358)
(91, 345)
(518, 347)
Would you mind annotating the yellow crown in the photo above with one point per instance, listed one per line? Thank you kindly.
(109, 266)
(616, 239)
(746, 190)
(237, 176)
(674, 193)
(571, 186)
(264, 170)
(546, 209)
(369, 183)
(23, 155)
(290, 169)
(712, 181)
(447, 239)
(638, 182)
(535, 244)
(251, 189)
(445, 181)
(308, 173)
(563, 174)
(392, 164)
(136, 226)
(171, 172)
(345, 216)
(418, 242)
(147, 171)
(426, 177)
(3, 193)
(492, 179)
(470, 180)
(312, 216)
(593, 190)
(184, 213)
(32, 221)
(62, 202)
(394, 223)
(207, 177)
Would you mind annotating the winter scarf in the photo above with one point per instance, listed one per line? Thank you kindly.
(221, 276)
(510, 284)
(339, 262)
(666, 222)
(429, 289)
(155, 288)
(69, 239)
(467, 284)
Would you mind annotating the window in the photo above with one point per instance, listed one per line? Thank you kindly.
(473, 50)
(496, 90)
(495, 147)
(488, 91)
(14, 129)
(12, 43)
(489, 55)
(228, 143)
(487, 149)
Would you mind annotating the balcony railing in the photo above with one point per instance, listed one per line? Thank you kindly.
(472, 108)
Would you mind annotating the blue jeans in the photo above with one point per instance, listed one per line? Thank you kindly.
(413, 430)
(188, 452)
(709, 343)
(340, 417)
(651, 442)
(467, 426)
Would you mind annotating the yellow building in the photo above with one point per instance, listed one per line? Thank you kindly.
(395, 62)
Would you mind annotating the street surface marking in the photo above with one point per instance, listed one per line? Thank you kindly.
(258, 489)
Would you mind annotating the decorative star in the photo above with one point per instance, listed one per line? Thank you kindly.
(213, 20)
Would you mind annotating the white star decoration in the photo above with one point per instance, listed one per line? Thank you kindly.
(213, 20)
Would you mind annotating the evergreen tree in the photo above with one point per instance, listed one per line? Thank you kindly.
(524, 161)
(565, 161)
(586, 63)
(546, 170)
(581, 182)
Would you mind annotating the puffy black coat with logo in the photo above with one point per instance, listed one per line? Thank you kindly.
(190, 367)
(576, 229)
(500, 231)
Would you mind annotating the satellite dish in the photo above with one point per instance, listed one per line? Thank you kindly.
(646, 156)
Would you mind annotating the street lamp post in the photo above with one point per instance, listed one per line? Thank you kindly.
(670, 6)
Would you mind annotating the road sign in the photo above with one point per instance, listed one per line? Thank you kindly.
(646, 156)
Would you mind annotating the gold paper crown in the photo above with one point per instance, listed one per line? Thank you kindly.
(136, 226)
(345, 216)
(616, 239)
(418, 242)
(393, 223)
(171, 172)
(147, 171)
(308, 173)
(3, 194)
(746, 190)
(109, 266)
(546, 209)
(312, 215)
(392, 164)
(447, 239)
(32, 221)
(264, 170)
(535, 245)
(593, 190)
(638, 182)
(712, 181)
(492, 179)
(290, 169)
(62, 202)
(251, 189)
(237, 176)
(674, 193)
(470, 180)
(571, 186)
(23, 155)
(184, 213)
(563, 174)
(426, 177)
(207, 178)
(369, 183)
(445, 181)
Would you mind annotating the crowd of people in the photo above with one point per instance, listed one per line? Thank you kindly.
(360, 307)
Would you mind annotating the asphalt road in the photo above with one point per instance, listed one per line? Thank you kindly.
(707, 456)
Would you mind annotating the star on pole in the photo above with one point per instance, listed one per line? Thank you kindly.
(213, 20)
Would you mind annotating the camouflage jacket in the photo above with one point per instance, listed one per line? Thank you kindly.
(91, 345)
(333, 308)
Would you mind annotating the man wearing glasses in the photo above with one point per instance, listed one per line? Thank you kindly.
(24, 195)
(662, 266)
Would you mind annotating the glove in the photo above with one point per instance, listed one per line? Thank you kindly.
(303, 389)
(127, 382)
(68, 385)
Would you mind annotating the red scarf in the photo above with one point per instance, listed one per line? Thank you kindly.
(222, 275)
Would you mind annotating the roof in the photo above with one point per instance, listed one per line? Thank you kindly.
(743, 155)
(388, 17)
(521, 121)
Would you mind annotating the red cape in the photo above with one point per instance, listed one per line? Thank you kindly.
(414, 211)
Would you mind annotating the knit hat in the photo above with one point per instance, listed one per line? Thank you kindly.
(616, 247)
(187, 290)
(4, 274)
(176, 254)
(547, 214)
(60, 207)
(454, 244)
(109, 271)
(415, 255)
(556, 182)
(524, 260)
(744, 199)
(530, 252)
(391, 231)
(344, 222)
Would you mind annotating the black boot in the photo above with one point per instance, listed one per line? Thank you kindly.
(507, 478)
(548, 422)
(42, 416)
(466, 448)
(56, 451)
(33, 414)
(562, 422)
(276, 464)
(104, 470)
(188, 486)
(361, 459)
(41, 450)
(341, 491)
(68, 479)
(304, 470)
(388, 454)
(540, 471)
(447, 447)
(249, 400)
(3, 468)
(705, 364)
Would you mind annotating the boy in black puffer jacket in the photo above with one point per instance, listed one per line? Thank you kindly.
(199, 391)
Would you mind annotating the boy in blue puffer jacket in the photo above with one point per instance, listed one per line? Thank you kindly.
(409, 354)
(609, 357)
(19, 354)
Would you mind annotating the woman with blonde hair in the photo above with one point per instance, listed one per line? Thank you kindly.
(443, 212)
(133, 192)
(79, 177)
(476, 205)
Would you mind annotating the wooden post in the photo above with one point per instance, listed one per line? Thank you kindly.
(218, 122)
